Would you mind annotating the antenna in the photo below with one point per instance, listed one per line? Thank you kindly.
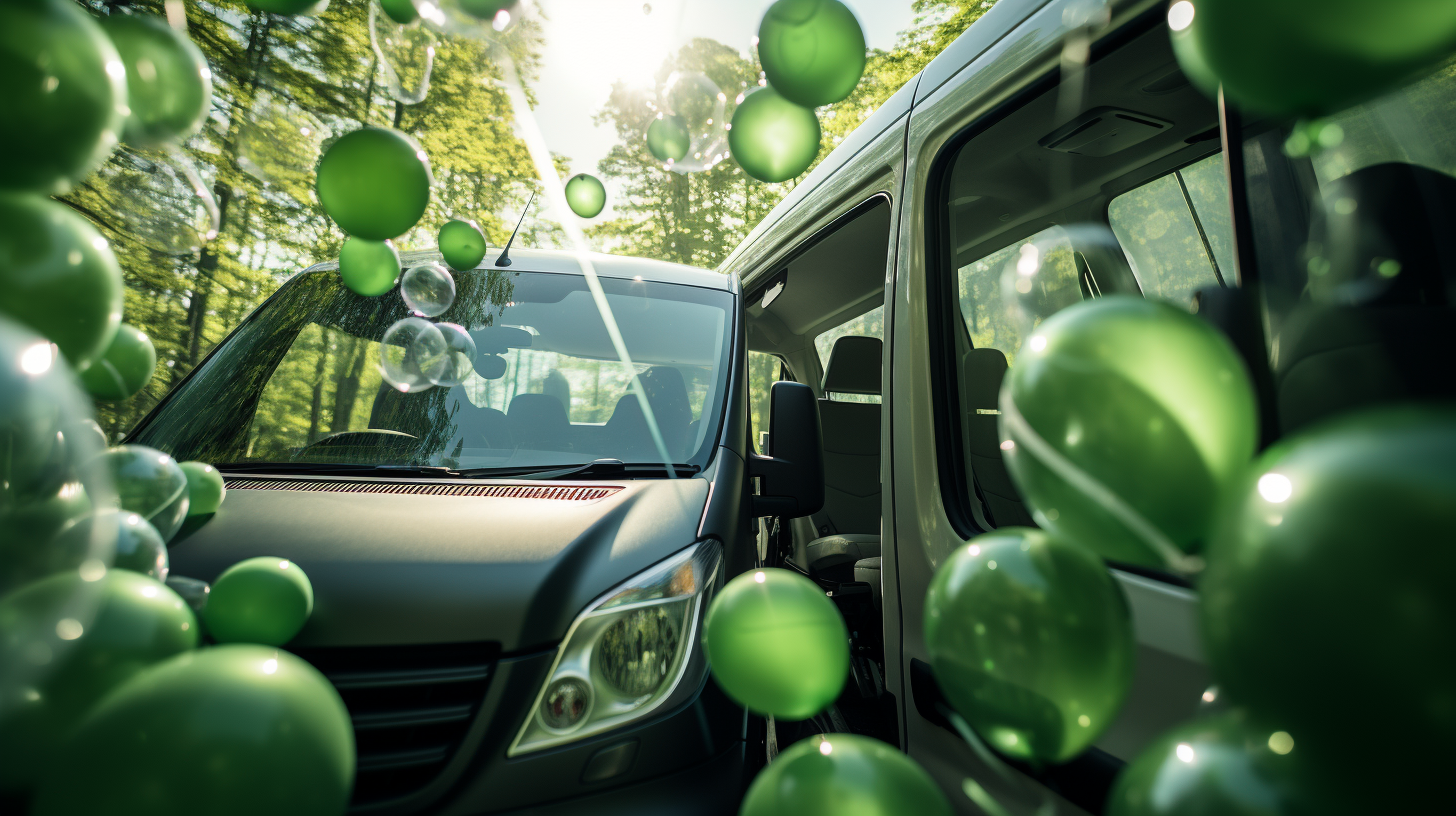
(505, 256)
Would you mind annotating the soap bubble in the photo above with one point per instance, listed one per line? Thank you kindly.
(150, 484)
(138, 546)
(428, 290)
(278, 141)
(413, 354)
(1064, 266)
(585, 195)
(161, 200)
(479, 19)
(772, 138)
(460, 359)
(406, 55)
(813, 52)
(701, 105)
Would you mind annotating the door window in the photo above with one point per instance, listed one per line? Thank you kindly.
(764, 370)
(1177, 231)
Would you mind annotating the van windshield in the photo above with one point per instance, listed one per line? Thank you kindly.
(301, 380)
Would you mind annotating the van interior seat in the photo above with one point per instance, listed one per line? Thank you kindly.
(982, 371)
(626, 430)
(849, 524)
(538, 422)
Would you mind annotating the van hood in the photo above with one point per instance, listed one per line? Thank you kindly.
(438, 562)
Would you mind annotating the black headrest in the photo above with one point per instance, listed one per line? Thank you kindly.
(984, 370)
(854, 366)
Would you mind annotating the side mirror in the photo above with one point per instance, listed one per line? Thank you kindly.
(792, 475)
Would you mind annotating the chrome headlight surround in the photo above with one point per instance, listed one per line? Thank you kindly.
(603, 651)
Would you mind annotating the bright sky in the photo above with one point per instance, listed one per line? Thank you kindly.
(592, 43)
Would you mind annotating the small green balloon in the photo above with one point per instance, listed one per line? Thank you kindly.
(668, 139)
(137, 622)
(1316, 57)
(813, 51)
(1031, 639)
(1326, 616)
(777, 644)
(261, 600)
(375, 183)
(229, 731)
(291, 8)
(462, 244)
(64, 95)
(205, 488)
(585, 195)
(58, 276)
(150, 484)
(485, 9)
(169, 86)
(124, 368)
(369, 268)
(843, 774)
(400, 11)
(1141, 398)
(1221, 766)
(134, 543)
(773, 139)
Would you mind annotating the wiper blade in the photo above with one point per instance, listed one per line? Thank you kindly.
(334, 469)
(598, 468)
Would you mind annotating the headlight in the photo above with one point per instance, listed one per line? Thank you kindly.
(625, 654)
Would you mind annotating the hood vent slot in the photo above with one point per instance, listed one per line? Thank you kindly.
(501, 491)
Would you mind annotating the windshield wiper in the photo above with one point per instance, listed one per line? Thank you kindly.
(598, 469)
(334, 469)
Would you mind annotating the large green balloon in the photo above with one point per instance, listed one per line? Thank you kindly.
(261, 600)
(462, 244)
(585, 195)
(169, 86)
(813, 51)
(772, 138)
(150, 484)
(400, 11)
(227, 731)
(1315, 57)
(1327, 603)
(485, 9)
(374, 183)
(1031, 639)
(844, 775)
(124, 368)
(1128, 402)
(205, 488)
(58, 276)
(29, 527)
(39, 405)
(64, 95)
(138, 622)
(1222, 766)
(668, 138)
(289, 8)
(1189, 50)
(369, 268)
(777, 644)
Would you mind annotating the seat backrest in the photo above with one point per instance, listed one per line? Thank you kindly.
(851, 433)
(982, 371)
(538, 422)
(626, 430)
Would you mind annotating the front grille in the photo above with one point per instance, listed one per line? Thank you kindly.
(510, 491)
(411, 707)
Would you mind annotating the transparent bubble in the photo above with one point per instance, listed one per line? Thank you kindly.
(279, 142)
(406, 55)
(1060, 267)
(427, 290)
(413, 355)
(703, 108)
(161, 200)
(151, 484)
(460, 359)
(478, 19)
(137, 544)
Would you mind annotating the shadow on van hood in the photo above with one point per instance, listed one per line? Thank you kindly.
(392, 568)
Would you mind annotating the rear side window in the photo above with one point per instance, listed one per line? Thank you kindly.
(764, 370)
(990, 319)
(1177, 231)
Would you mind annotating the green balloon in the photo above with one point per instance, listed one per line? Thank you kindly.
(137, 622)
(58, 276)
(291, 8)
(374, 183)
(205, 488)
(64, 95)
(135, 543)
(30, 526)
(585, 195)
(1189, 52)
(668, 138)
(1221, 766)
(124, 368)
(1327, 603)
(150, 484)
(843, 775)
(369, 268)
(400, 11)
(169, 86)
(261, 600)
(813, 51)
(777, 644)
(1316, 57)
(772, 138)
(1136, 398)
(41, 415)
(1031, 639)
(485, 9)
(462, 243)
(227, 731)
